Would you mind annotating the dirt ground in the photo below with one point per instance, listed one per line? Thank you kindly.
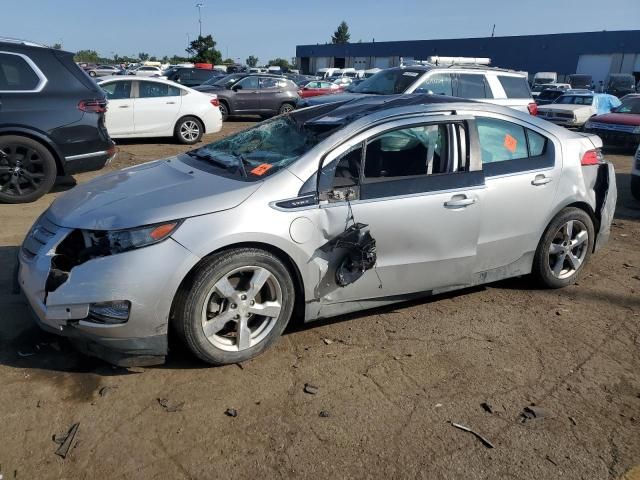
(390, 381)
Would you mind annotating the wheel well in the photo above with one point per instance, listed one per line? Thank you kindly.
(56, 157)
(585, 207)
(226, 104)
(296, 276)
(204, 128)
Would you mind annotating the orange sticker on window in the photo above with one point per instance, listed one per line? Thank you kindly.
(510, 143)
(261, 169)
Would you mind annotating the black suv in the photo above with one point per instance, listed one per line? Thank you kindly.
(192, 77)
(51, 120)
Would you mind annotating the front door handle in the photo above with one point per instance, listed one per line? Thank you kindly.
(171, 103)
(540, 180)
(123, 106)
(459, 201)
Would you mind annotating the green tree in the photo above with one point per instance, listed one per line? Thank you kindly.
(153, 58)
(252, 61)
(165, 59)
(176, 59)
(280, 62)
(341, 35)
(143, 56)
(203, 50)
(57, 46)
(88, 56)
(229, 61)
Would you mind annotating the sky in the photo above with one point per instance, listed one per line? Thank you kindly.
(272, 28)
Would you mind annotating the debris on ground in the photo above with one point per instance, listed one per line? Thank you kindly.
(104, 391)
(26, 354)
(627, 265)
(484, 441)
(548, 458)
(164, 403)
(327, 341)
(323, 414)
(65, 440)
(231, 412)
(572, 420)
(239, 365)
(310, 389)
(533, 412)
(438, 405)
(487, 407)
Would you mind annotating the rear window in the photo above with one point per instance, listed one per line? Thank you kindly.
(515, 87)
(16, 74)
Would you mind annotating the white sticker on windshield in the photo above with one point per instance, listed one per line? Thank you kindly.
(410, 74)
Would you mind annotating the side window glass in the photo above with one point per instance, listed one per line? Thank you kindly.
(436, 84)
(268, 83)
(117, 90)
(537, 144)
(248, 83)
(343, 171)
(406, 152)
(16, 74)
(515, 87)
(500, 141)
(154, 89)
(473, 86)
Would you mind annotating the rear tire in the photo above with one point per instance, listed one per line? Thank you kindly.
(286, 108)
(564, 249)
(635, 186)
(188, 130)
(234, 306)
(224, 110)
(27, 169)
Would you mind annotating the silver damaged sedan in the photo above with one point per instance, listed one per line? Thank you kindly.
(313, 214)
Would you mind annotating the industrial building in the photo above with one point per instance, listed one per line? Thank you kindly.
(595, 53)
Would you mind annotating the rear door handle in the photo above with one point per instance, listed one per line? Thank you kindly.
(123, 106)
(171, 103)
(540, 180)
(459, 201)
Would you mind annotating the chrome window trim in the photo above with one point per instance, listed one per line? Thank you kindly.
(36, 70)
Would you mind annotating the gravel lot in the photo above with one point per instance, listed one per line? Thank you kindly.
(389, 380)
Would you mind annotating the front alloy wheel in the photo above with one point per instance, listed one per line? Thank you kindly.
(234, 305)
(189, 131)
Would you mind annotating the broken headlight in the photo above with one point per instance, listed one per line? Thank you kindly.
(110, 242)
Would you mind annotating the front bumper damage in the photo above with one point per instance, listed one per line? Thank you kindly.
(147, 277)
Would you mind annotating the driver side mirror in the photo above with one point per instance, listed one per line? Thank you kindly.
(235, 88)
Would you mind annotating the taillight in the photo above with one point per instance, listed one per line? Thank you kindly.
(95, 106)
(215, 102)
(591, 157)
(533, 108)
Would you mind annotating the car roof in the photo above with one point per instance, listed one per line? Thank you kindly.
(456, 66)
(132, 78)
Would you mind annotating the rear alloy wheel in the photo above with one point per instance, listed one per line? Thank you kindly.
(27, 169)
(564, 248)
(239, 302)
(188, 130)
(286, 108)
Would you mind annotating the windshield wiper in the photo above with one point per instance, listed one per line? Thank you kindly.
(241, 162)
(209, 158)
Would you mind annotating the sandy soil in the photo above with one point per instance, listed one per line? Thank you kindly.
(389, 380)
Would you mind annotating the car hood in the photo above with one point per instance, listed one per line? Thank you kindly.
(208, 88)
(618, 118)
(331, 98)
(146, 194)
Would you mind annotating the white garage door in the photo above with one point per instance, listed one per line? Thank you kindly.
(598, 66)
(361, 63)
(382, 62)
(322, 62)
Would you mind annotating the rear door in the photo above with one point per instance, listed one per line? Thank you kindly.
(522, 166)
(119, 118)
(271, 90)
(247, 95)
(156, 108)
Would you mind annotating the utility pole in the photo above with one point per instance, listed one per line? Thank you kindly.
(199, 7)
(493, 32)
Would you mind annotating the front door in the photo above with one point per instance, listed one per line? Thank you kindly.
(420, 197)
(156, 108)
(247, 95)
(119, 117)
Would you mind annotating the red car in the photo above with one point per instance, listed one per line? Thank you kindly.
(317, 88)
(621, 127)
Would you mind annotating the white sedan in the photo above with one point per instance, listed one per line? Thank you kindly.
(572, 110)
(153, 107)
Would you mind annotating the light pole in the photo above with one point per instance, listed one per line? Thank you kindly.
(199, 7)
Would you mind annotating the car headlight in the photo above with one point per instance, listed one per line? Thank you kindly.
(124, 240)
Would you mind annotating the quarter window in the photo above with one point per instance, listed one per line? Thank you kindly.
(16, 74)
(437, 84)
(515, 87)
(473, 86)
(117, 90)
(156, 89)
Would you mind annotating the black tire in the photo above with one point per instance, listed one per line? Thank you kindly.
(286, 108)
(187, 315)
(224, 110)
(635, 186)
(92, 74)
(188, 130)
(542, 269)
(27, 169)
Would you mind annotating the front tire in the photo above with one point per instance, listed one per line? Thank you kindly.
(286, 108)
(564, 248)
(188, 130)
(92, 74)
(235, 305)
(27, 169)
(635, 186)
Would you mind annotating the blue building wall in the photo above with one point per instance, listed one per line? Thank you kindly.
(532, 53)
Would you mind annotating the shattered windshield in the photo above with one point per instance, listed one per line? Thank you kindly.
(389, 82)
(263, 150)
